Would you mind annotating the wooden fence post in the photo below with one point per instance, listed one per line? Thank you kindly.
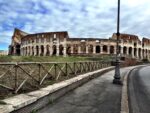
(55, 69)
(74, 66)
(39, 72)
(66, 69)
(16, 76)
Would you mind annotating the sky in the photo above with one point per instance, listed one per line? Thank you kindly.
(81, 18)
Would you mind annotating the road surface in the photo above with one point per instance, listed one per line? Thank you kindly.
(97, 96)
(139, 90)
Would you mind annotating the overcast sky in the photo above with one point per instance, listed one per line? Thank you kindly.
(81, 18)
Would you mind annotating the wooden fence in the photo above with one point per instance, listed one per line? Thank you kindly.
(25, 76)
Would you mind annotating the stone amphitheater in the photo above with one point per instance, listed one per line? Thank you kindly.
(59, 43)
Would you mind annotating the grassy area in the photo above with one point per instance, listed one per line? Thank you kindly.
(2, 103)
(52, 59)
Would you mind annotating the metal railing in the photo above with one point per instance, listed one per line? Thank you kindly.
(24, 76)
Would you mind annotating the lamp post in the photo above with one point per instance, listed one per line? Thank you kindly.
(117, 78)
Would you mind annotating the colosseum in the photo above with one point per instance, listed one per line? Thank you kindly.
(59, 43)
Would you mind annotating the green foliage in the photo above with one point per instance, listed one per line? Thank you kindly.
(51, 101)
(2, 103)
(145, 60)
(34, 111)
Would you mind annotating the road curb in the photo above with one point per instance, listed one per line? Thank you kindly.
(124, 95)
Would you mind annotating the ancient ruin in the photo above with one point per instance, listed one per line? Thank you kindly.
(59, 43)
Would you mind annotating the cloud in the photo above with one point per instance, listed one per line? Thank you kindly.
(80, 18)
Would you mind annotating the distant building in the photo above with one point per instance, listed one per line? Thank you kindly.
(3, 52)
(59, 43)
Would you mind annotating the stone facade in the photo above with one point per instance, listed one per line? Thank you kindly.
(59, 43)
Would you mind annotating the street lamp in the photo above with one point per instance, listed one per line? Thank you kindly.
(117, 78)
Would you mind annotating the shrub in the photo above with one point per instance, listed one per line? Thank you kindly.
(145, 60)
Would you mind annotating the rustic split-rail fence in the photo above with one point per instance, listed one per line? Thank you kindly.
(23, 76)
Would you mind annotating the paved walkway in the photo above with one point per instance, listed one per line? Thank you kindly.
(97, 96)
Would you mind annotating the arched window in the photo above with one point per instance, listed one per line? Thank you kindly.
(105, 49)
(98, 49)
(111, 49)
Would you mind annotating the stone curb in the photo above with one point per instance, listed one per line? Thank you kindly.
(29, 102)
(124, 95)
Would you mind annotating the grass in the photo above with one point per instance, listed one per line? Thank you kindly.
(52, 59)
(33, 111)
(2, 103)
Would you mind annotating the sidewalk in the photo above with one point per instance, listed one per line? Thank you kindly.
(97, 96)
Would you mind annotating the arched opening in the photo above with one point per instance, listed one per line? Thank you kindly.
(98, 49)
(143, 53)
(135, 44)
(37, 50)
(130, 51)
(29, 48)
(26, 51)
(32, 50)
(54, 49)
(61, 49)
(90, 49)
(139, 52)
(47, 50)
(135, 51)
(18, 49)
(68, 50)
(105, 49)
(42, 50)
(124, 50)
(111, 49)
(146, 53)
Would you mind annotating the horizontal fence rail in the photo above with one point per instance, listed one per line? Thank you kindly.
(28, 76)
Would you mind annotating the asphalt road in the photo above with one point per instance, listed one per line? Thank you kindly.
(97, 96)
(139, 90)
